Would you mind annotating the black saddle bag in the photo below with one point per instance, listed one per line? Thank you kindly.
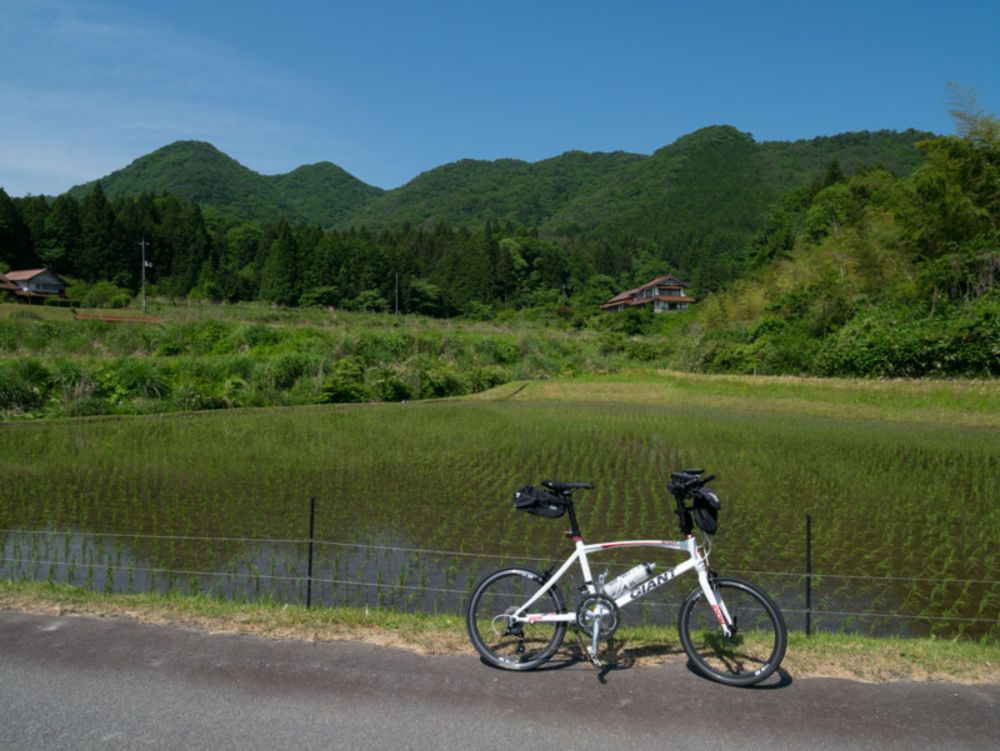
(538, 502)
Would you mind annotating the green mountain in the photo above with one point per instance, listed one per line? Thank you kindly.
(318, 194)
(698, 199)
(703, 195)
(472, 192)
(323, 193)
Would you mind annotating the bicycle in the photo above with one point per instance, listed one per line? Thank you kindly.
(730, 629)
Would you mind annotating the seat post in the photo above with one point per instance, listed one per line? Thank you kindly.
(575, 531)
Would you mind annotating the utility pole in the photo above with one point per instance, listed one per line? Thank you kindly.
(145, 265)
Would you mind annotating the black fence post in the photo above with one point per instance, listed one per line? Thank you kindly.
(809, 571)
(309, 567)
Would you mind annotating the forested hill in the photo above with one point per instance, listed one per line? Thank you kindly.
(705, 193)
(635, 194)
(320, 193)
(699, 200)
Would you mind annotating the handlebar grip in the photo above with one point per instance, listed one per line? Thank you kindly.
(706, 480)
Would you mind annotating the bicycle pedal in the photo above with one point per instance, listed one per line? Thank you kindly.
(594, 659)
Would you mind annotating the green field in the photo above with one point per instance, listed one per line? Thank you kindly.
(902, 481)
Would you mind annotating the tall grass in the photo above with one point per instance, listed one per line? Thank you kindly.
(252, 356)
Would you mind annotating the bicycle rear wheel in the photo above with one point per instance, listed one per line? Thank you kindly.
(513, 646)
(754, 649)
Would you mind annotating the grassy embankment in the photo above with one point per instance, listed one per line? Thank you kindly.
(823, 655)
(202, 357)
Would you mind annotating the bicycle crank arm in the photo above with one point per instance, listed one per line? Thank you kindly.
(592, 649)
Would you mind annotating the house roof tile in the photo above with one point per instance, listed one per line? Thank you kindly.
(24, 275)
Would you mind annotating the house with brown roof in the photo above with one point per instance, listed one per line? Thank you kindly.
(664, 293)
(7, 286)
(31, 285)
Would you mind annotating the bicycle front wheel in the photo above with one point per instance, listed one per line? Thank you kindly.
(756, 645)
(506, 644)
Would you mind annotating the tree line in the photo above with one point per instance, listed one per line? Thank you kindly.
(197, 252)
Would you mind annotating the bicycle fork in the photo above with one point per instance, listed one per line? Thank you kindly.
(707, 580)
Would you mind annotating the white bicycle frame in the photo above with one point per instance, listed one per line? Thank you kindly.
(697, 560)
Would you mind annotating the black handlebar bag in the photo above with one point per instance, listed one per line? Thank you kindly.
(706, 510)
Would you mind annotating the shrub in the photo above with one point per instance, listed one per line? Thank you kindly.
(481, 379)
(130, 377)
(102, 295)
(729, 357)
(829, 210)
(441, 381)
(477, 311)
(368, 301)
(346, 383)
(970, 342)
(641, 349)
(374, 347)
(247, 337)
(612, 343)
(23, 385)
(72, 380)
(282, 371)
(389, 386)
(498, 350)
(880, 342)
(317, 297)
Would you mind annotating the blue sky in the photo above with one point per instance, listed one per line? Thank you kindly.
(390, 89)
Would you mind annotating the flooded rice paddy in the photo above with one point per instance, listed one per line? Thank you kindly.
(413, 505)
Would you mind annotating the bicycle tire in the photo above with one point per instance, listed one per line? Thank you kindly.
(757, 645)
(526, 646)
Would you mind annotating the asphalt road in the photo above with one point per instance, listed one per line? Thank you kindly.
(85, 683)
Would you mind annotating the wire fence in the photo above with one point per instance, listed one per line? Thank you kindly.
(326, 572)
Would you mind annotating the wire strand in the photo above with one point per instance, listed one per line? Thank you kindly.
(458, 553)
(236, 574)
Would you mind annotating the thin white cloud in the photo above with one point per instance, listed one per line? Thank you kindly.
(94, 31)
(92, 93)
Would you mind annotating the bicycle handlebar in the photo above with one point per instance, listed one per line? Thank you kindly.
(685, 483)
(682, 486)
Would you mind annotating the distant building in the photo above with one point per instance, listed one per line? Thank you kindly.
(7, 287)
(31, 285)
(664, 293)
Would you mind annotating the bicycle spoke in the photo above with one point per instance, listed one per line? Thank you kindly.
(755, 646)
(503, 641)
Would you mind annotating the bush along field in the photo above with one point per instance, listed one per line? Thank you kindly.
(216, 357)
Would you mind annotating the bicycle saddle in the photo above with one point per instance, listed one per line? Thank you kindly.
(561, 487)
